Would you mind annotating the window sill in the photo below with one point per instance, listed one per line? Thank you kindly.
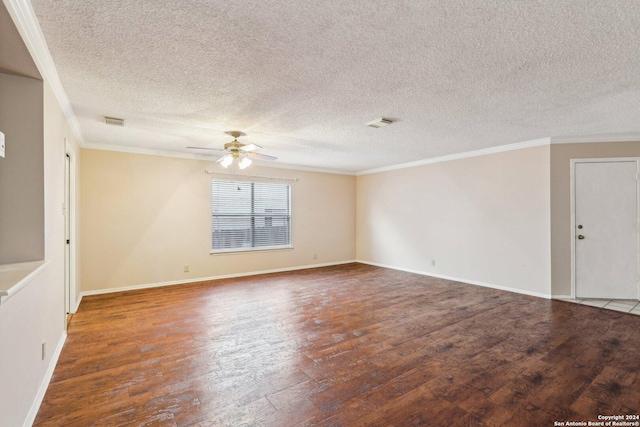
(245, 250)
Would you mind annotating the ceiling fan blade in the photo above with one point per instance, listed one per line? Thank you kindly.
(261, 156)
(204, 148)
(251, 147)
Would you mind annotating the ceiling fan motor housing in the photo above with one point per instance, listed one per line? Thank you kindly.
(233, 145)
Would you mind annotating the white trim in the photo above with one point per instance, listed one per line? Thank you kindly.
(630, 137)
(446, 158)
(457, 279)
(37, 401)
(71, 211)
(206, 279)
(148, 151)
(212, 159)
(309, 169)
(605, 159)
(27, 24)
(572, 224)
(458, 156)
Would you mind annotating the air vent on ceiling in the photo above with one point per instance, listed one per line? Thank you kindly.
(113, 121)
(378, 123)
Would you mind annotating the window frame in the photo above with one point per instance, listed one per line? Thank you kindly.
(289, 215)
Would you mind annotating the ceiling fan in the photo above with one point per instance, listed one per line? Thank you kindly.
(238, 152)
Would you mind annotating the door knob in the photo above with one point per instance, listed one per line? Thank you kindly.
(580, 236)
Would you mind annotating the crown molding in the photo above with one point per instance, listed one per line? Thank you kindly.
(592, 139)
(308, 169)
(179, 155)
(148, 151)
(27, 24)
(458, 156)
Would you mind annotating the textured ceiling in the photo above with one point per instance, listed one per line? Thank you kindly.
(302, 77)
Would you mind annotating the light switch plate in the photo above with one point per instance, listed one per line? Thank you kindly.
(1, 144)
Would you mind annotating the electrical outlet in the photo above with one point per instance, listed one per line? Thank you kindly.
(433, 262)
(1, 144)
(186, 268)
(315, 256)
(44, 350)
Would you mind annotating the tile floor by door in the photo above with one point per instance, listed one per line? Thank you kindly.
(624, 305)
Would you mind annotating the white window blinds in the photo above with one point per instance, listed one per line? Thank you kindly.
(250, 215)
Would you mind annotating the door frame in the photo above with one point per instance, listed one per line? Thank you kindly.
(573, 213)
(70, 221)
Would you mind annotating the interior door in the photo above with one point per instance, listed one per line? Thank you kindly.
(606, 234)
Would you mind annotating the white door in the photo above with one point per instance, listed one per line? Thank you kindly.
(606, 235)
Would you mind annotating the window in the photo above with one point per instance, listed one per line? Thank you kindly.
(250, 215)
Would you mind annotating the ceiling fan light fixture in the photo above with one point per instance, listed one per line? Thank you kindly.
(226, 161)
(238, 154)
(245, 162)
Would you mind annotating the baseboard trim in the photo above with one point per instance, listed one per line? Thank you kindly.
(205, 279)
(37, 401)
(77, 304)
(458, 279)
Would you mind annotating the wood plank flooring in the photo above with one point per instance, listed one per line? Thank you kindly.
(351, 345)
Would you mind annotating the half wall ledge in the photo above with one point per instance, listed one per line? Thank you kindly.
(14, 277)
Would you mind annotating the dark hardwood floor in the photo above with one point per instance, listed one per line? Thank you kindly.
(352, 345)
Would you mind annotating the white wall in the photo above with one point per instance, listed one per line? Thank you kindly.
(483, 219)
(36, 313)
(145, 217)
